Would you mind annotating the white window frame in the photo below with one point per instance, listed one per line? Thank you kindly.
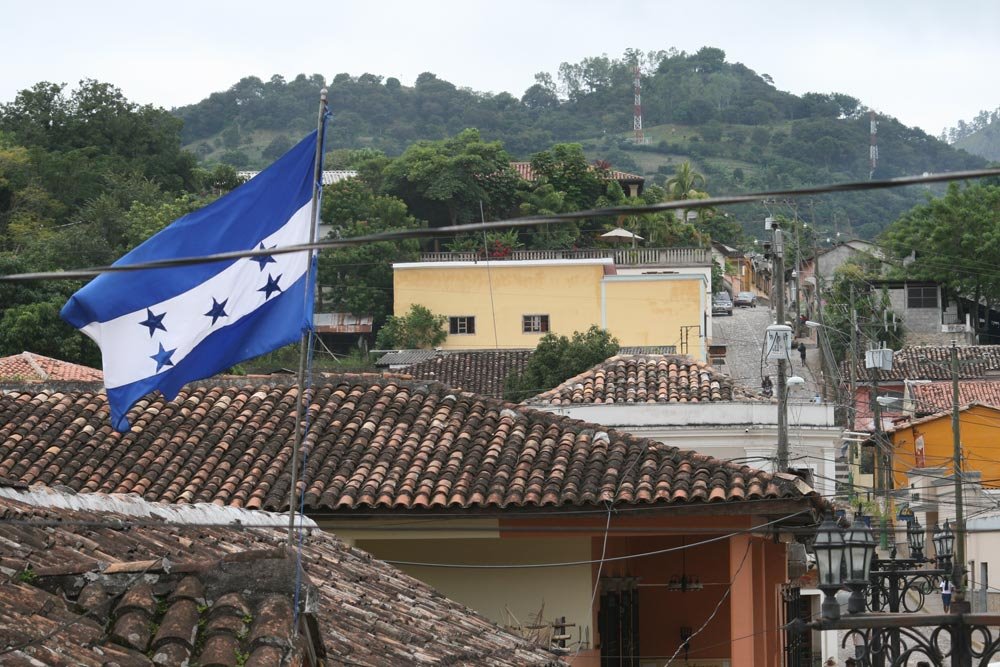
(532, 324)
(458, 325)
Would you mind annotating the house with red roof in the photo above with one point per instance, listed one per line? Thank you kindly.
(617, 542)
(29, 367)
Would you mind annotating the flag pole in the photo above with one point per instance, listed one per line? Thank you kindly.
(293, 495)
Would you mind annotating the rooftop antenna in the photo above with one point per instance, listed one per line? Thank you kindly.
(873, 148)
(639, 137)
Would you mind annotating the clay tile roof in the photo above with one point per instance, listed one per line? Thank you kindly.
(373, 442)
(932, 362)
(525, 171)
(481, 372)
(102, 593)
(29, 367)
(937, 396)
(645, 379)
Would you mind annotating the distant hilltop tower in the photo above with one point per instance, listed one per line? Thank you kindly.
(873, 148)
(639, 137)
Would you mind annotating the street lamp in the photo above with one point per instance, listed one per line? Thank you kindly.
(860, 549)
(829, 548)
(944, 542)
(915, 537)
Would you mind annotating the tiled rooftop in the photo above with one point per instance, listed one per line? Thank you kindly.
(405, 357)
(100, 589)
(372, 443)
(30, 367)
(937, 396)
(933, 362)
(644, 379)
(481, 372)
(525, 171)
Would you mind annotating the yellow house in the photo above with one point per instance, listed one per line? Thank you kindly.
(928, 443)
(513, 303)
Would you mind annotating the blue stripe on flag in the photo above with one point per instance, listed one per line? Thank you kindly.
(237, 221)
(280, 321)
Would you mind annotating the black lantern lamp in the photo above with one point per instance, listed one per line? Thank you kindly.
(859, 550)
(936, 538)
(829, 547)
(915, 536)
(947, 541)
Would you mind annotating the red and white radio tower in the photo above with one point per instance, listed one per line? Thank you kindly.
(873, 148)
(637, 116)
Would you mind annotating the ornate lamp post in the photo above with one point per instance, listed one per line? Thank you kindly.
(860, 549)
(829, 547)
(915, 537)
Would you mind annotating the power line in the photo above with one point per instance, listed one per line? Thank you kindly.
(403, 234)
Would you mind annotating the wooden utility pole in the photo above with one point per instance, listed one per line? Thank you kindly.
(958, 567)
(779, 311)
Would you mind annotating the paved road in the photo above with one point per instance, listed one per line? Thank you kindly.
(743, 335)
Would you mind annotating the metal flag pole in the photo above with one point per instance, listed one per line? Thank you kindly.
(293, 495)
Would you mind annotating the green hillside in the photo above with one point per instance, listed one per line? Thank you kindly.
(984, 142)
(732, 123)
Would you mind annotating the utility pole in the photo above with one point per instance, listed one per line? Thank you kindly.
(779, 310)
(958, 567)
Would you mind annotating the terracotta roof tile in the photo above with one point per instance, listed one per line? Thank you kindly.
(645, 379)
(525, 171)
(932, 362)
(372, 442)
(29, 367)
(934, 397)
(481, 372)
(221, 598)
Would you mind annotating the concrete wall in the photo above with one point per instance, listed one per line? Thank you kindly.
(562, 591)
(979, 429)
(743, 431)
(647, 309)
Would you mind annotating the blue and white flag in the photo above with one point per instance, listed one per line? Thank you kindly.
(159, 329)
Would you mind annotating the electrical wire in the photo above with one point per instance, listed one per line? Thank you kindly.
(398, 235)
(531, 566)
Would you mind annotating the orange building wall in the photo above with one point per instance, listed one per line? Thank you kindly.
(980, 432)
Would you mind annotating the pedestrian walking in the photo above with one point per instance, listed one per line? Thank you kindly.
(946, 590)
(767, 387)
(802, 353)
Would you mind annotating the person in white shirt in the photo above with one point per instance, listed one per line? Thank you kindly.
(946, 590)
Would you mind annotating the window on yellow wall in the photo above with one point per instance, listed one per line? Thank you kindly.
(463, 324)
(535, 324)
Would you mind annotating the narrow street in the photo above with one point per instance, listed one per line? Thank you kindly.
(743, 335)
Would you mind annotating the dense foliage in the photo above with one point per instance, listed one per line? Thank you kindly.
(731, 123)
(417, 329)
(557, 358)
(85, 175)
(952, 240)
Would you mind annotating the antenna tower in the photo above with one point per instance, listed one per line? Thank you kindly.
(873, 148)
(639, 137)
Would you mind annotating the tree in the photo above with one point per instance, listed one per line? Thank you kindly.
(943, 235)
(445, 182)
(852, 284)
(558, 358)
(358, 279)
(418, 329)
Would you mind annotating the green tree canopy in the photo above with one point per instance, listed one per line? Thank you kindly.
(358, 279)
(946, 240)
(558, 358)
(418, 329)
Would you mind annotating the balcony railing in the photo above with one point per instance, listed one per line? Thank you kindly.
(659, 257)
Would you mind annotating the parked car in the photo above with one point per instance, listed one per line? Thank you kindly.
(745, 300)
(722, 304)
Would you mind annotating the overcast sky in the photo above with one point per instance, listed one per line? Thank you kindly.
(927, 62)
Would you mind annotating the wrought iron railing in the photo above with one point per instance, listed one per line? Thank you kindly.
(651, 257)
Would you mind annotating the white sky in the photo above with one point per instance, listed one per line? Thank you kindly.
(927, 62)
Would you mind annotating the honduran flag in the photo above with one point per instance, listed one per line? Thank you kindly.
(159, 329)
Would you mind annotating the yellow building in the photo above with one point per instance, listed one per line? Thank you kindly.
(513, 303)
(928, 443)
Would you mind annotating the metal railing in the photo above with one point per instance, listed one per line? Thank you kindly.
(622, 256)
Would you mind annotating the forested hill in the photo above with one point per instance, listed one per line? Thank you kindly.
(733, 124)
